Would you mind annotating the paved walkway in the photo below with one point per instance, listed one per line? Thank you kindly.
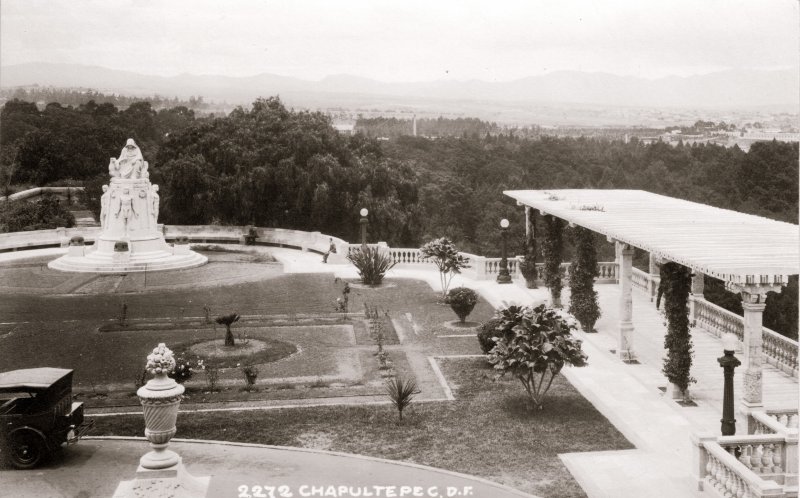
(94, 468)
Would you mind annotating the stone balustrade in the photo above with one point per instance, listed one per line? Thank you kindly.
(772, 421)
(778, 350)
(405, 255)
(62, 192)
(39, 239)
(763, 454)
(719, 472)
(640, 280)
(763, 462)
(717, 320)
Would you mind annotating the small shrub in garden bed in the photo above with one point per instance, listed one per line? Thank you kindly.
(487, 333)
(462, 300)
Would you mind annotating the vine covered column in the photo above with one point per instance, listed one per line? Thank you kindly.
(625, 262)
(528, 264)
(552, 248)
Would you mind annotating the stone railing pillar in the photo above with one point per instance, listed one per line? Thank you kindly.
(753, 382)
(696, 295)
(655, 277)
(700, 458)
(625, 352)
(63, 240)
(478, 264)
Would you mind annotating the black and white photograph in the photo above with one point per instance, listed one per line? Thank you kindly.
(399, 248)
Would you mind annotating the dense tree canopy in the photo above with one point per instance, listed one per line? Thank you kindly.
(272, 166)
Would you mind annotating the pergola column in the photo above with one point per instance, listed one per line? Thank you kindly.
(655, 276)
(753, 382)
(625, 261)
(698, 285)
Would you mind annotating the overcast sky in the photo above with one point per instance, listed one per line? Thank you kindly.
(406, 40)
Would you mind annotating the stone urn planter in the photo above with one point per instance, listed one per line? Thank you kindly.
(160, 398)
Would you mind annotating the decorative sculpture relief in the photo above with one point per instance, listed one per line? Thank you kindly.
(155, 200)
(104, 200)
(126, 208)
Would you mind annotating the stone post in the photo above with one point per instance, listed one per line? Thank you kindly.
(655, 276)
(790, 457)
(479, 265)
(753, 305)
(696, 295)
(625, 302)
(700, 457)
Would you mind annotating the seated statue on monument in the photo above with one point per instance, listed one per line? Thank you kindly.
(131, 163)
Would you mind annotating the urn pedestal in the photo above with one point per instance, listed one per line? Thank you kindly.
(160, 398)
(161, 470)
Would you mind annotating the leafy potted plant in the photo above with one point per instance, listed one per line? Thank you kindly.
(533, 345)
(462, 300)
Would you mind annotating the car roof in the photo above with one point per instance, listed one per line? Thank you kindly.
(32, 378)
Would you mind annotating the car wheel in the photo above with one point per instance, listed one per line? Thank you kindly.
(27, 449)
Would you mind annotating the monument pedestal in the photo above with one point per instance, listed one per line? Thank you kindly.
(131, 240)
(173, 481)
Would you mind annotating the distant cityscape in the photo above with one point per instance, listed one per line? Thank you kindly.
(672, 126)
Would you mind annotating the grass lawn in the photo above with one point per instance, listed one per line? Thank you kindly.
(487, 431)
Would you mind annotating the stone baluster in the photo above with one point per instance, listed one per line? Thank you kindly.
(777, 460)
(745, 455)
(756, 457)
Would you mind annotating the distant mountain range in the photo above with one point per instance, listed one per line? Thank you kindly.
(732, 89)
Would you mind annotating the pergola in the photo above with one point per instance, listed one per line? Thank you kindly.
(751, 254)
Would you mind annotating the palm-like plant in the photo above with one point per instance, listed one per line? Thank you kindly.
(401, 392)
(371, 263)
(228, 320)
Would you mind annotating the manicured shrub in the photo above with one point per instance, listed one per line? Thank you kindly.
(534, 346)
(486, 334)
(371, 263)
(462, 300)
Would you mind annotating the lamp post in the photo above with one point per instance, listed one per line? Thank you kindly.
(728, 362)
(363, 222)
(503, 277)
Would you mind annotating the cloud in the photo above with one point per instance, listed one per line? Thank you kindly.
(402, 40)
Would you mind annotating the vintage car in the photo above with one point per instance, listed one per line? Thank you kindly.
(37, 414)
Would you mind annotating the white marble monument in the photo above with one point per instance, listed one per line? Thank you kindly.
(130, 239)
